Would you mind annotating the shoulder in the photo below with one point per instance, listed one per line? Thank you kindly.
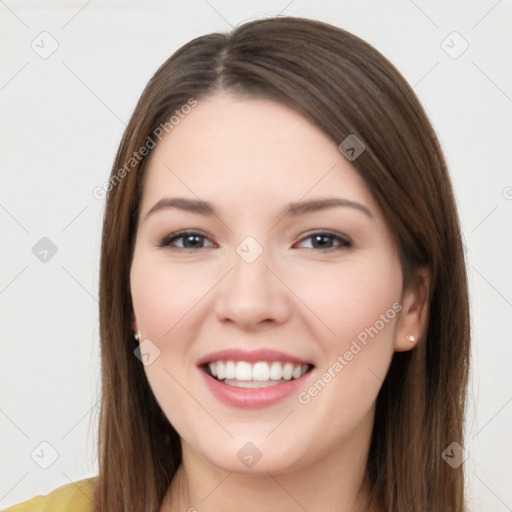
(73, 497)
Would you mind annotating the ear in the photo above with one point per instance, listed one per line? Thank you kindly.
(134, 325)
(414, 314)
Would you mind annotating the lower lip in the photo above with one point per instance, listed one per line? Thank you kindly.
(249, 398)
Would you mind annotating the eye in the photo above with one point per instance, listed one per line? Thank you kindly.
(324, 240)
(191, 240)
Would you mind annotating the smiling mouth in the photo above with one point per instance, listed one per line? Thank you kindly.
(261, 374)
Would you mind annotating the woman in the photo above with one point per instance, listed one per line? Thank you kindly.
(283, 298)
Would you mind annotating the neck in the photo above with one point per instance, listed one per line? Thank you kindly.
(332, 483)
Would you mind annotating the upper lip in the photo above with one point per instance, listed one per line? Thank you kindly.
(262, 354)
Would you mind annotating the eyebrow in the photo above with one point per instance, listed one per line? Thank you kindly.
(294, 209)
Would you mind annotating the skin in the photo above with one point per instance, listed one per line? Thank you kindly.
(250, 158)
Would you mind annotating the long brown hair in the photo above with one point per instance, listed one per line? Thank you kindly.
(346, 87)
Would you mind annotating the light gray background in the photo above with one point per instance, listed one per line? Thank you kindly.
(62, 120)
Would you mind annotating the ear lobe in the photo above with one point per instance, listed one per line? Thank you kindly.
(414, 314)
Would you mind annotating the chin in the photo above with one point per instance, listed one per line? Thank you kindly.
(258, 458)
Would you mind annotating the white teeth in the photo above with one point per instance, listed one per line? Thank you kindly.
(287, 371)
(276, 371)
(243, 370)
(250, 383)
(221, 370)
(297, 371)
(259, 372)
(230, 370)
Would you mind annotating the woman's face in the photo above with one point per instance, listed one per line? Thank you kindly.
(260, 292)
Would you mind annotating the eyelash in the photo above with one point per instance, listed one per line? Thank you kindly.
(344, 243)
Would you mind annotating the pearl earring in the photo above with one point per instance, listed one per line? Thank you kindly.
(137, 336)
(410, 338)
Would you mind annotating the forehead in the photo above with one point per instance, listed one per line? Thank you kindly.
(240, 150)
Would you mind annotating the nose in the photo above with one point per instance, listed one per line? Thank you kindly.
(253, 294)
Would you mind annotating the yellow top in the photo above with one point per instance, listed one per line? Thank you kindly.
(73, 497)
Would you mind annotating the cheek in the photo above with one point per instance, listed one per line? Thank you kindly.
(351, 296)
(162, 297)
(163, 301)
(360, 303)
